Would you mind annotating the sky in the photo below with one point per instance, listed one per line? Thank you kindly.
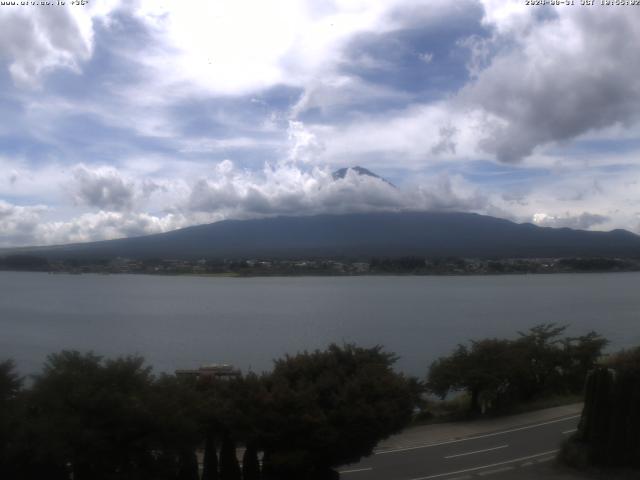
(125, 118)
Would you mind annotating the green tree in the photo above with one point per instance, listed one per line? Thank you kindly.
(496, 373)
(581, 354)
(539, 358)
(92, 415)
(331, 407)
(484, 371)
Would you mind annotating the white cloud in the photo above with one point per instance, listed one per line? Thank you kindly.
(19, 224)
(227, 192)
(103, 187)
(412, 137)
(36, 39)
(330, 93)
(584, 221)
(304, 144)
(286, 189)
(426, 57)
(240, 46)
(105, 225)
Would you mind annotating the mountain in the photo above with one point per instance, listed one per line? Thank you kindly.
(359, 235)
(341, 173)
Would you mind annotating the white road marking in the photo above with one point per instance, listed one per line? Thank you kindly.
(466, 470)
(495, 470)
(567, 432)
(477, 451)
(428, 445)
(355, 470)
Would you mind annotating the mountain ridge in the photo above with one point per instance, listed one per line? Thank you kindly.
(358, 235)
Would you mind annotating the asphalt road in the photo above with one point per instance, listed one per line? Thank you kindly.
(500, 454)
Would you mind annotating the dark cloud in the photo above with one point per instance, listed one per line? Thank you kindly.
(562, 78)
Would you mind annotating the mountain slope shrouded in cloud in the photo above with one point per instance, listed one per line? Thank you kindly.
(360, 236)
(343, 172)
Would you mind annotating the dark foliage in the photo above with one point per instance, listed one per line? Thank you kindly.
(498, 373)
(24, 262)
(250, 463)
(401, 264)
(331, 407)
(229, 467)
(10, 384)
(188, 466)
(609, 430)
(101, 419)
(210, 460)
(596, 264)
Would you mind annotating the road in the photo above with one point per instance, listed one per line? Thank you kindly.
(499, 453)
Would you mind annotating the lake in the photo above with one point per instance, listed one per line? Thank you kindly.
(185, 321)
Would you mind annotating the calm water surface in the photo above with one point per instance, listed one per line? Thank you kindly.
(181, 322)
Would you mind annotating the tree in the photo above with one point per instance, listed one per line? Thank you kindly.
(609, 429)
(229, 468)
(10, 386)
(92, 414)
(539, 358)
(188, 465)
(497, 373)
(484, 371)
(250, 463)
(581, 354)
(10, 381)
(210, 461)
(331, 407)
(176, 431)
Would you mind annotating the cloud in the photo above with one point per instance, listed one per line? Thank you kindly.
(18, 224)
(228, 193)
(426, 57)
(27, 225)
(286, 189)
(220, 48)
(584, 221)
(413, 137)
(105, 225)
(446, 142)
(304, 144)
(556, 78)
(242, 109)
(103, 188)
(39, 39)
